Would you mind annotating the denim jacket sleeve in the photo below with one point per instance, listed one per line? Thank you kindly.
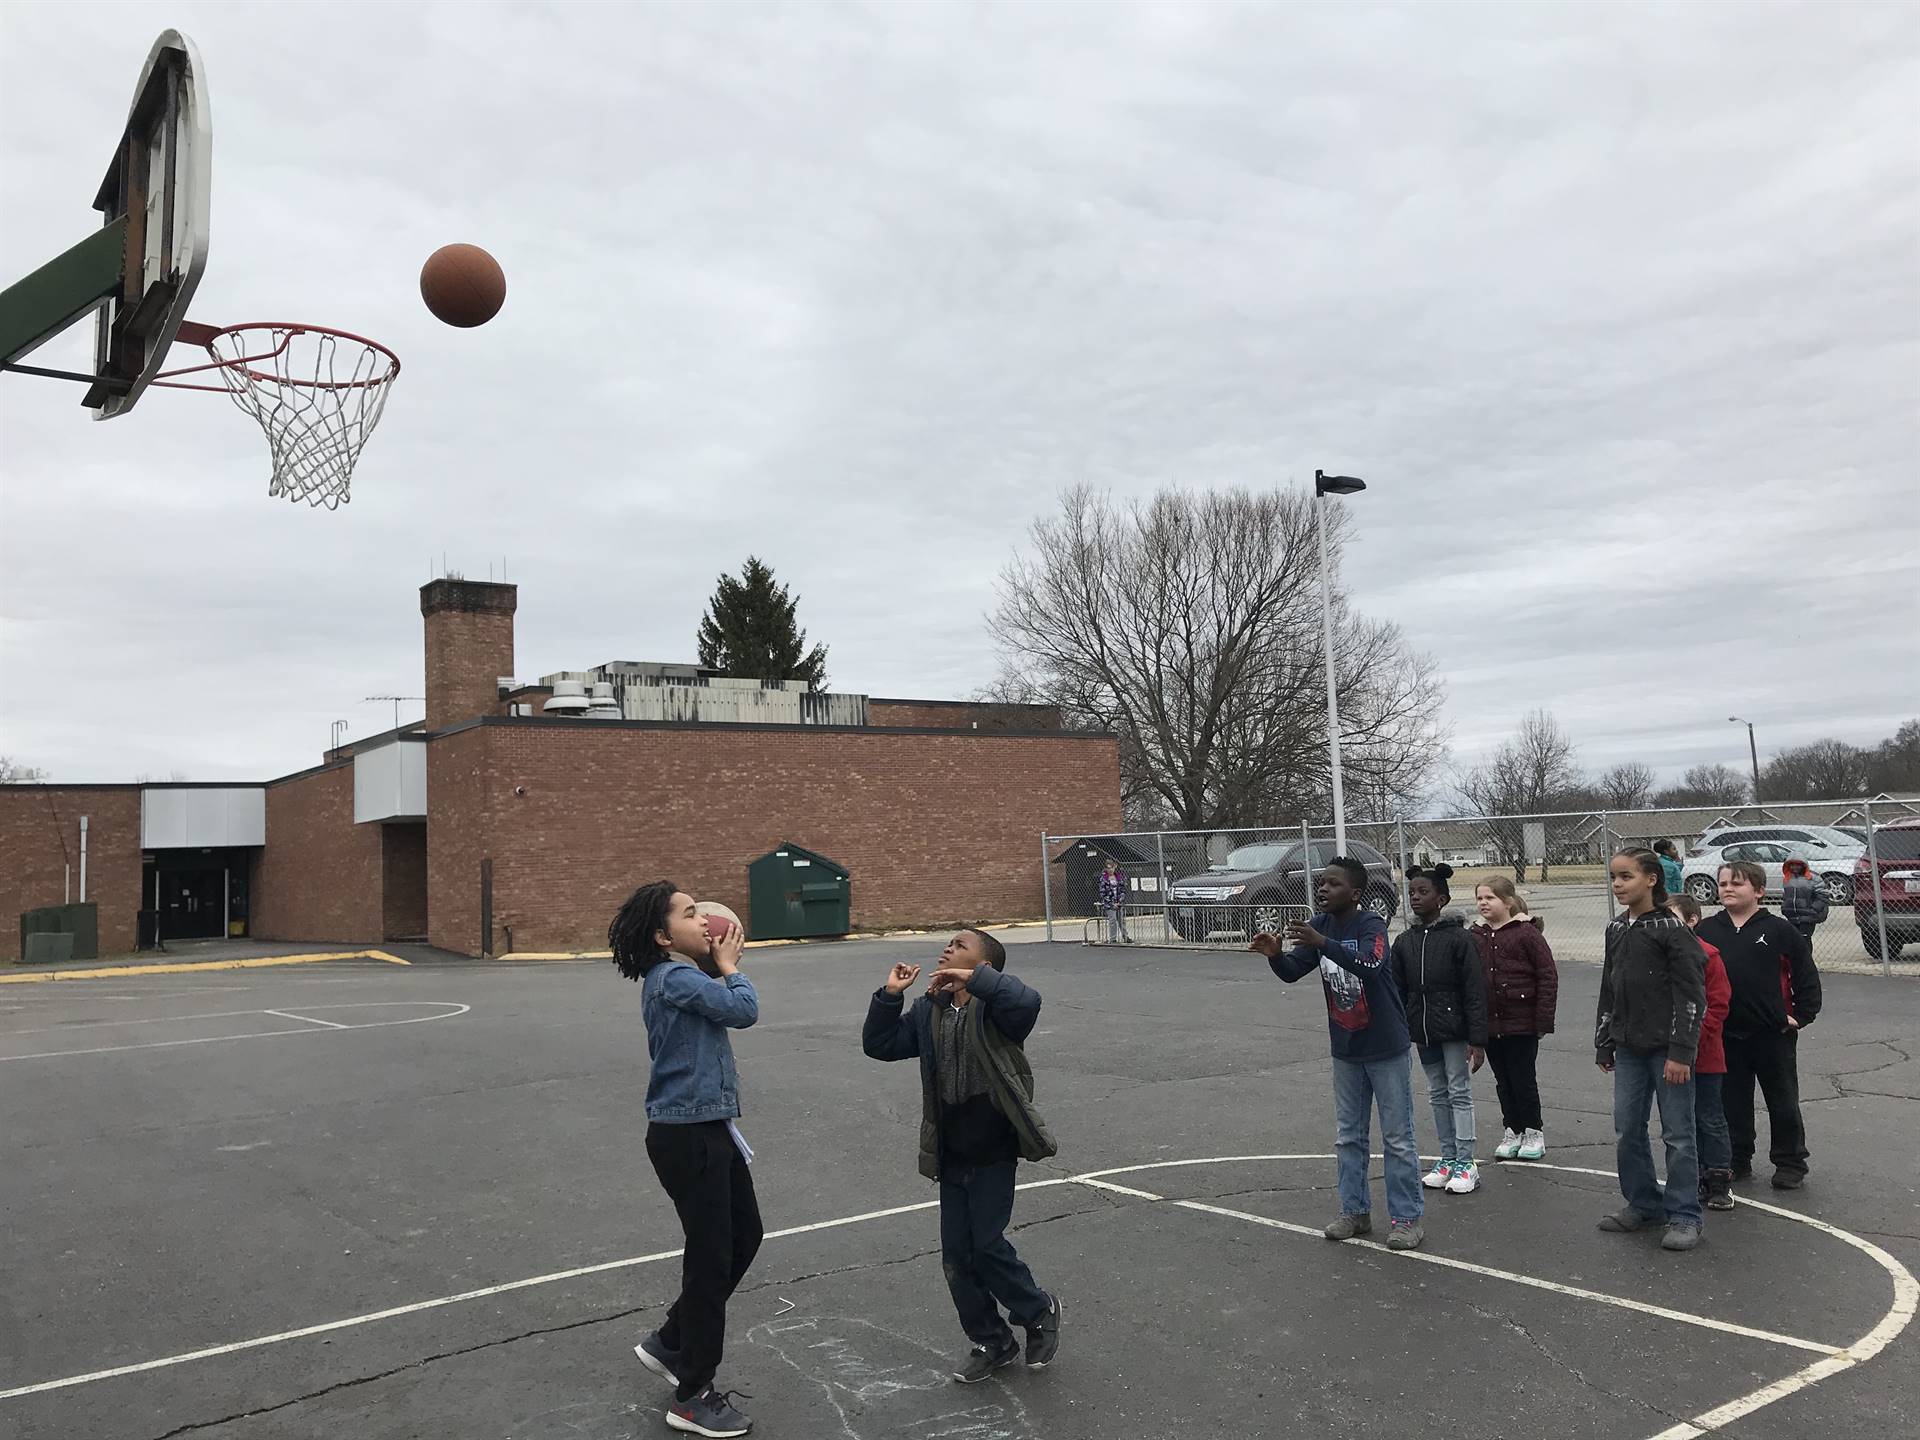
(730, 1002)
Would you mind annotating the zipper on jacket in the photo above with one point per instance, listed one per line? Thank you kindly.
(1426, 1005)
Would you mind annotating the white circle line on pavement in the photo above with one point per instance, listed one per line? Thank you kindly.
(449, 1010)
(1869, 1345)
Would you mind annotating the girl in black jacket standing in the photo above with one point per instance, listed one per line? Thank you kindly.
(1437, 967)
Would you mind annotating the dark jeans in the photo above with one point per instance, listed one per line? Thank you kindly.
(1638, 1083)
(1710, 1122)
(1513, 1058)
(706, 1176)
(1774, 1061)
(976, 1204)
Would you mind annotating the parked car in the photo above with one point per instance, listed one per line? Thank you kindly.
(1896, 847)
(1252, 889)
(1700, 873)
(1829, 852)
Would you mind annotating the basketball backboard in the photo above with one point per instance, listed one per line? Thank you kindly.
(140, 268)
(159, 183)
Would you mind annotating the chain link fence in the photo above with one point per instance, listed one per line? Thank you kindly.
(1216, 889)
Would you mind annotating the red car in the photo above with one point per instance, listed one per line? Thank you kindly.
(1896, 848)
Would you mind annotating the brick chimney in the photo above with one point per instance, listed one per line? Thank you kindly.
(469, 647)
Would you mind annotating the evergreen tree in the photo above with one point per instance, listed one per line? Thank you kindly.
(749, 631)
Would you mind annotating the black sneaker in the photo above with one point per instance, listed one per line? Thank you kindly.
(1625, 1221)
(1043, 1338)
(658, 1358)
(1789, 1179)
(709, 1413)
(981, 1361)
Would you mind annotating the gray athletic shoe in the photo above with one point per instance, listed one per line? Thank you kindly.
(982, 1361)
(1348, 1226)
(659, 1359)
(1405, 1235)
(1625, 1221)
(1680, 1237)
(709, 1413)
(1043, 1339)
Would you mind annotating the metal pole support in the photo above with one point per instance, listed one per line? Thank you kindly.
(1046, 883)
(1400, 844)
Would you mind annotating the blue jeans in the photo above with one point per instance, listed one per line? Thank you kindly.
(1358, 1085)
(1637, 1086)
(1710, 1121)
(983, 1270)
(1450, 1088)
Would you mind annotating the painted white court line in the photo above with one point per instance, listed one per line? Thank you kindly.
(1876, 1340)
(289, 1015)
(449, 1011)
(1427, 1257)
(1906, 1300)
(141, 1020)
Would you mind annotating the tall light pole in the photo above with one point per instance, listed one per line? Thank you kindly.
(1753, 753)
(1323, 486)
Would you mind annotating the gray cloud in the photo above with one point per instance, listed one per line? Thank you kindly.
(1618, 309)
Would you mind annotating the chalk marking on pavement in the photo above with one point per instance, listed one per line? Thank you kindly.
(1906, 1290)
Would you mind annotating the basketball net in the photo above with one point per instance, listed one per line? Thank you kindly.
(316, 394)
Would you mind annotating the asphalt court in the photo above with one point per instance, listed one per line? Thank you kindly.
(454, 1207)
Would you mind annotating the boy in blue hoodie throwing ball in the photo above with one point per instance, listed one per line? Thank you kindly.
(1367, 1022)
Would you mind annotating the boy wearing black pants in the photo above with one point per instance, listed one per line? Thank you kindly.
(1776, 994)
(977, 1122)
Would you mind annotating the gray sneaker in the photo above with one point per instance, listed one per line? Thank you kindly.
(1405, 1235)
(658, 1358)
(1625, 1221)
(1043, 1338)
(1348, 1226)
(709, 1413)
(982, 1361)
(1680, 1237)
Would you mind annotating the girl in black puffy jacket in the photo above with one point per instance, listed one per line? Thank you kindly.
(1437, 967)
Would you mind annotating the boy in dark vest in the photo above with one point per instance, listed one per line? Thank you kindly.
(977, 1122)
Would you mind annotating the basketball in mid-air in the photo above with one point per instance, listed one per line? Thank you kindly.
(463, 285)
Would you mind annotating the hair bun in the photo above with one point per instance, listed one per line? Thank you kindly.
(1443, 870)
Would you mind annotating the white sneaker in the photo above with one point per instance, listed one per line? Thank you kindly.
(1438, 1176)
(1508, 1147)
(1465, 1179)
(1533, 1145)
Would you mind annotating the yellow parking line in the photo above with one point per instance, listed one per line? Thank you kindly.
(119, 972)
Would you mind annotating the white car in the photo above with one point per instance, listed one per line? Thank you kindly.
(1700, 872)
(1824, 842)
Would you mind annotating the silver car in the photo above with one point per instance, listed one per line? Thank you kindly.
(1700, 873)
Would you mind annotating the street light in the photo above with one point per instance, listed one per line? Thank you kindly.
(1753, 753)
(1323, 486)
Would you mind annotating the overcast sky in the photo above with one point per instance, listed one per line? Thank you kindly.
(1616, 308)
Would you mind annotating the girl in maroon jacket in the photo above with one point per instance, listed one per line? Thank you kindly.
(1522, 986)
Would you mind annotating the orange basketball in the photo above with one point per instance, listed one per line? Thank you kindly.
(463, 285)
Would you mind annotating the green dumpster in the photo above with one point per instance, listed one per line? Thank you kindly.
(793, 894)
(80, 924)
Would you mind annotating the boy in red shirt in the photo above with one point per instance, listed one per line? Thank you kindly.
(1710, 1071)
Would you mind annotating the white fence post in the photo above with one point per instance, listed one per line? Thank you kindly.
(1400, 844)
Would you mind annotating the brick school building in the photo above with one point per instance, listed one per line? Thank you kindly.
(519, 816)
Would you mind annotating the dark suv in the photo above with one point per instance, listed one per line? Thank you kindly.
(1256, 885)
(1897, 848)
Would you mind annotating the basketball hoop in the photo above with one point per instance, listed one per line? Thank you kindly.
(315, 392)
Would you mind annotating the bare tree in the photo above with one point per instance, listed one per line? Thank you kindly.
(1189, 625)
(1627, 786)
(1824, 770)
(1533, 772)
(12, 772)
(1709, 785)
(1895, 763)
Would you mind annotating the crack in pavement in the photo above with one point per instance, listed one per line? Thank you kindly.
(1551, 1354)
(1836, 1080)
